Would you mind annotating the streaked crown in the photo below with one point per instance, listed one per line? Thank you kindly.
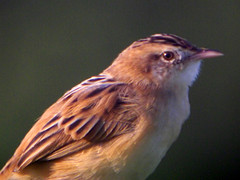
(169, 39)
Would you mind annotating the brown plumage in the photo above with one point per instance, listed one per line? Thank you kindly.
(101, 127)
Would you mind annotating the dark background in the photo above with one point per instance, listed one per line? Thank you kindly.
(47, 47)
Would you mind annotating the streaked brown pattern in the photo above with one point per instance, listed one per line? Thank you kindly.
(169, 39)
(72, 122)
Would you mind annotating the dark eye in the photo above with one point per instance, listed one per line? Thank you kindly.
(168, 55)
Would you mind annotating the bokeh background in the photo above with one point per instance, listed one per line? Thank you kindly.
(47, 47)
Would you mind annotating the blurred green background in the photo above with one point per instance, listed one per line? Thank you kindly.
(47, 47)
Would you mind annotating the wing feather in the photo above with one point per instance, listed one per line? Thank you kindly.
(94, 111)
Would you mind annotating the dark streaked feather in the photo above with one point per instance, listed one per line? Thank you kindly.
(166, 39)
(78, 120)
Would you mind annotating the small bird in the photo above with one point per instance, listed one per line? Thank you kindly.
(116, 125)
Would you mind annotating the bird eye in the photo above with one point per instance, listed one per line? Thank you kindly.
(168, 55)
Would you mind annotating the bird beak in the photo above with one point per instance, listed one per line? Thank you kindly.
(205, 53)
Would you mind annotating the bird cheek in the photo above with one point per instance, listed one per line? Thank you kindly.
(180, 67)
(147, 68)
